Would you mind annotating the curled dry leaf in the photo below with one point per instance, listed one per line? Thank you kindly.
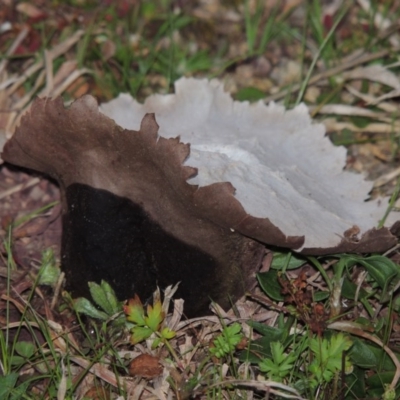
(141, 210)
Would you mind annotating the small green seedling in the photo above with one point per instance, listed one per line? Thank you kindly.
(9, 389)
(390, 393)
(327, 358)
(104, 297)
(24, 351)
(49, 271)
(147, 325)
(225, 343)
(280, 365)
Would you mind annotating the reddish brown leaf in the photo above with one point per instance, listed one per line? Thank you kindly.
(146, 366)
(97, 393)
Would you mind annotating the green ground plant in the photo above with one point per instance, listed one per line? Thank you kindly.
(38, 353)
(314, 362)
(280, 365)
(147, 323)
(225, 343)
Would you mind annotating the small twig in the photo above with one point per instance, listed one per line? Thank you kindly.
(48, 64)
(267, 302)
(102, 372)
(390, 251)
(384, 179)
(19, 39)
(363, 275)
(13, 118)
(332, 72)
(55, 52)
(307, 78)
(57, 290)
(392, 201)
(266, 386)
(19, 187)
(57, 91)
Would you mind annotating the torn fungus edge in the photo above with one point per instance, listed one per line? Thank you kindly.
(215, 202)
(199, 108)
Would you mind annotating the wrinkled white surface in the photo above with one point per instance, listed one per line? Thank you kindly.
(281, 164)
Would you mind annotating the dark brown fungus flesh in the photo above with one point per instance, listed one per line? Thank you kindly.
(130, 217)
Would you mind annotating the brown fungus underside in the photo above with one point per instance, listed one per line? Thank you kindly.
(130, 217)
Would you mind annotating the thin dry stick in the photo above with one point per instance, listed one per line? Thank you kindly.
(367, 98)
(19, 187)
(266, 386)
(48, 63)
(54, 52)
(347, 110)
(14, 116)
(332, 72)
(19, 39)
(5, 83)
(13, 275)
(373, 127)
(102, 372)
(57, 290)
(57, 91)
(384, 179)
(363, 275)
(18, 324)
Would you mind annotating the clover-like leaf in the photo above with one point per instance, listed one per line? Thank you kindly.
(25, 349)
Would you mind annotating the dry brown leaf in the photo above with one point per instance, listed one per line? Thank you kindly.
(146, 366)
(98, 393)
(102, 372)
(30, 10)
